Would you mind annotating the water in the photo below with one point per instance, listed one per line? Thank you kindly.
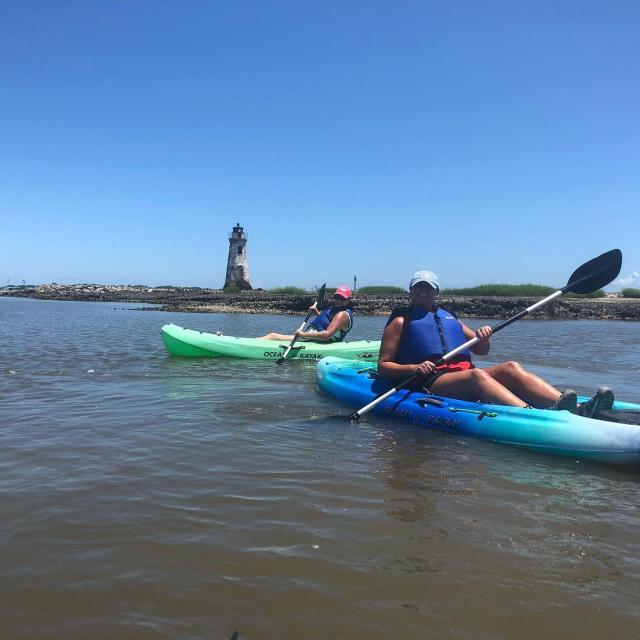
(144, 496)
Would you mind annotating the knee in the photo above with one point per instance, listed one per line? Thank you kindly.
(512, 368)
(480, 378)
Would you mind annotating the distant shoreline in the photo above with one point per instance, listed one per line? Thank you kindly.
(196, 300)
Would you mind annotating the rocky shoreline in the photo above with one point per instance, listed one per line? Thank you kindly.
(197, 300)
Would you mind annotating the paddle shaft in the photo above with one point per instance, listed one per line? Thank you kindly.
(318, 301)
(506, 323)
(295, 338)
(358, 414)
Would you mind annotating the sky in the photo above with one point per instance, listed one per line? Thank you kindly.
(486, 141)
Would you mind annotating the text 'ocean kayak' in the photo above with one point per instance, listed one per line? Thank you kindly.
(555, 432)
(187, 342)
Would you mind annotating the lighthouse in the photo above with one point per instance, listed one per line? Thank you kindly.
(237, 262)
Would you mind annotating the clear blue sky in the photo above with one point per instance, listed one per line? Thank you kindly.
(486, 141)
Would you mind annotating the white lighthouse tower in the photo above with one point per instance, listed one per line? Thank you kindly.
(238, 261)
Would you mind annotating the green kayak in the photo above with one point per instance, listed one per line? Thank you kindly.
(187, 342)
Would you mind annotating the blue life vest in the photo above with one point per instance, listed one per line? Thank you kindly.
(321, 322)
(428, 336)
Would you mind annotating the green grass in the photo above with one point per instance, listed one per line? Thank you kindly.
(290, 290)
(516, 290)
(379, 288)
(630, 293)
(532, 290)
(502, 290)
(595, 294)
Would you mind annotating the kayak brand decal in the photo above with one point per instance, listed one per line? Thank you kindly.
(440, 422)
(299, 356)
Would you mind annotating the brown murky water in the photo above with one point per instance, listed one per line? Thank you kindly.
(144, 496)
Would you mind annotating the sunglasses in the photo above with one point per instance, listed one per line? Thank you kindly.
(423, 291)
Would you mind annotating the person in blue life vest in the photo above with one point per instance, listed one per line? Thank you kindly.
(418, 335)
(330, 325)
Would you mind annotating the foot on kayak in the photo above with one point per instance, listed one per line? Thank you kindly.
(568, 401)
(601, 401)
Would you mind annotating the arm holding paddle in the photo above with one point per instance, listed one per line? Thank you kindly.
(331, 325)
(482, 347)
(312, 309)
(339, 321)
(392, 334)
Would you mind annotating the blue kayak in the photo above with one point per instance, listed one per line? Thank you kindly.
(555, 432)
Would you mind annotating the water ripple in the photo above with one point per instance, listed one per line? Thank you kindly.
(148, 496)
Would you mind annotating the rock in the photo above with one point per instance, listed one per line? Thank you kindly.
(195, 299)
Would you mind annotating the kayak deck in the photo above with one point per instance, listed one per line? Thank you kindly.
(188, 342)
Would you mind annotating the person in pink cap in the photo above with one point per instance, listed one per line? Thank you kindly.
(330, 325)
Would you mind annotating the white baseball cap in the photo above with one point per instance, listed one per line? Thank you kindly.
(425, 276)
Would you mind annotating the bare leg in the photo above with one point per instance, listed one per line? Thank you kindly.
(473, 385)
(276, 336)
(528, 386)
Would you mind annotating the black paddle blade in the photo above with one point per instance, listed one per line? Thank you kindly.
(353, 417)
(596, 273)
(320, 298)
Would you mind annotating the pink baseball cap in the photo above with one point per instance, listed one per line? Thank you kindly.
(343, 292)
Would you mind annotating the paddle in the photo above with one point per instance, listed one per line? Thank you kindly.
(589, 277)
(319, 301)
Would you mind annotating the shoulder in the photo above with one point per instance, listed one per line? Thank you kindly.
(398, 312)
(443, 311)
(343, 314)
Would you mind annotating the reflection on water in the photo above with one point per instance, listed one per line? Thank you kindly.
(479, 508)
(148, 496)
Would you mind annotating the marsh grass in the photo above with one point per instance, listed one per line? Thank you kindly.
(519, 290)
(499, 290)
(380, 288)
(595, 294)
(516, 291)
(289, 290)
